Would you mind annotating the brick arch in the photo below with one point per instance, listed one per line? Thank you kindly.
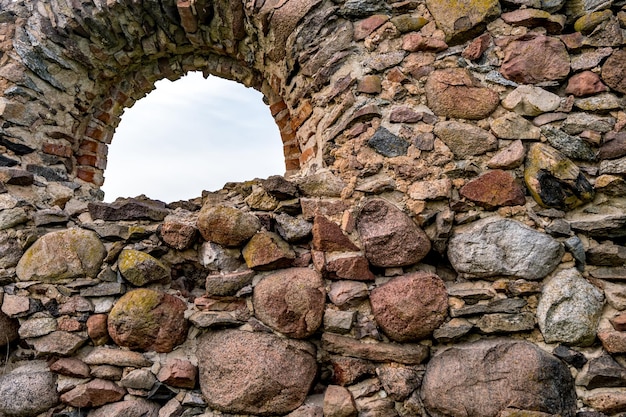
(73, 68)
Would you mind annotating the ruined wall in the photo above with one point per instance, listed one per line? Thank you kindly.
(449, 240)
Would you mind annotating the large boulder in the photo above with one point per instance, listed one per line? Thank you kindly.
(146, 319)
(389, 236)
(484, 378)
(227, 226)
(410, 307)
(495, 247)
(62, 255)
(291, 301)
(569, 309)
(536, 59)
(28, 391)
(254, 373)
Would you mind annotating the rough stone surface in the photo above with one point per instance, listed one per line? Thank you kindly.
(140, 269)
(485, 377)
(328, 236)
(62, 255)
(569, 309)
(226, 225)
(26, 392)
(613, 71)
(494, 189)
(178, 373)
(554, 180)
(459, 19)
(410, 307)
(535, 60)
(465, 140)
(127, 408)
(338, 402)
(410, 354)
(254, 373)
(510, 157)
(145, 319)
(291, 301)
(499, 247)
(386, 143)
(390, 238)
(528, 100)
(456, 93)
(8, 329)
(266, 251)
(95, 393)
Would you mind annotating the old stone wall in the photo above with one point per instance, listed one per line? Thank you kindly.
(449, 239)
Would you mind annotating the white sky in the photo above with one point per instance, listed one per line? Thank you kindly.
(192, 135)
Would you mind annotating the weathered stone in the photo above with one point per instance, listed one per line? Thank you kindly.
(8, 329)
(349, 267)
(218, 258)
(128, 408)
(535, 60)
(506, 323)
(553, 180)
(291, 301)
(62, 255)
(93, 394)
(528, 100)
(328, 236)
(27, 391)
(569, 309)
(390, 238)
(465, 140)
(602, 372)
(494, 189)
(10, 250)
(576, 123)
(145, 319)
(70, 367)
(503, 305)
(570, 146)
(512, 126)
(259, 373)
(431, 190)
(338, 402)
(570, 356)
(607, 224)
(226, 225)
(37, 326)
(142, 379)
(614, 166)
(321, 184)
(369, 84)
(178, 234)
(408, 23)
(410, 307)
(459, 20)
(267, 251)
(347, 370)
(533, 18)
(279, 187)
(510, 157)
(414, 42)
(58, 342)
(345, 292)
(600, 102)
(452, 330)
(387, 144)
(400, 381)
(97, 329)
(606, 401)
(614, 71)
(115, 357)
(338, 321)
(460, 381)
(228, 283)
(178, 373)
(406, 353)
(614, 148)
(456, 93)
(495, 247)
(613, 341)
(260, 199)
(128, 209)
(584, 84)
(292, 229)
(140, 268)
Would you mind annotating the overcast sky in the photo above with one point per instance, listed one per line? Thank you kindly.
(191, 135)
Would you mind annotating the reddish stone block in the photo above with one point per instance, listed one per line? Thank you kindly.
(301, 114)
(178, 373)
(58, 150)
(363, 28)
(277, 107)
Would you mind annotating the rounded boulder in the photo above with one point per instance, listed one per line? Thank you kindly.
(254, 373)
(410, 307)
(227, 226)
(291, 301)
(145, 319)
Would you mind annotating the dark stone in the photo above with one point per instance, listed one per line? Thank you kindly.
(279, 187)
(16, 148)
(128, 209)
(602, 372)
(570, 356)
(571, 146)
(51, 174)
(7, 162)
(614, 148)
(386, 143)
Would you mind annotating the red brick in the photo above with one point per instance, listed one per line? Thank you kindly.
(90, 174)
(277, 107)
(56, 149)
(292, 164)
(301, 115)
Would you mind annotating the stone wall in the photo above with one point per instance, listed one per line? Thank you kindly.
(449, 239)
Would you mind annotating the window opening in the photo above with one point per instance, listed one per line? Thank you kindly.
(190, 135)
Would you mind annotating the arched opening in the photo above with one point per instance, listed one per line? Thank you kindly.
(191, 135)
